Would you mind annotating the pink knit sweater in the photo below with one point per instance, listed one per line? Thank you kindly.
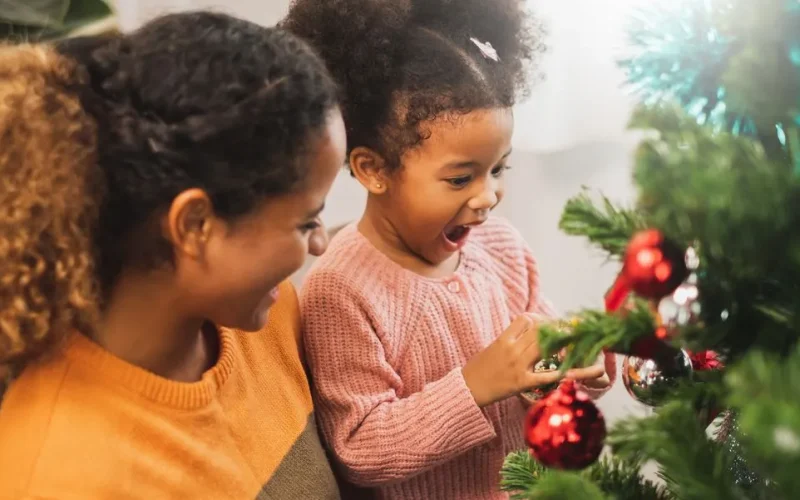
(386, 346)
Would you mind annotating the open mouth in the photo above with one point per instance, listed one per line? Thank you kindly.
(456, 235)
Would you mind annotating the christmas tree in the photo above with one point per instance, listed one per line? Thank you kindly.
(707, 305)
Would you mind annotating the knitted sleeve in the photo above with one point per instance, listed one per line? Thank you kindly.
(377, 436)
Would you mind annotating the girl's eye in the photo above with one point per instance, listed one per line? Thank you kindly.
(498, 171)
(459, 181)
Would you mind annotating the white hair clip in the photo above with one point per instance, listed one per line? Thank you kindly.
(486, 49)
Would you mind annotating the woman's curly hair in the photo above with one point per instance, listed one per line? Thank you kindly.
(403, 62)
(196, 100)
(50, 187)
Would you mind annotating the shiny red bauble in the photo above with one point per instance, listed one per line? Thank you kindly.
(653, 267)
(565, 430)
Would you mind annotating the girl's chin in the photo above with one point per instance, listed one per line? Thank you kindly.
(440, 255)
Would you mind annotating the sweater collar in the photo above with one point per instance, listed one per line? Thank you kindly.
(120, 374)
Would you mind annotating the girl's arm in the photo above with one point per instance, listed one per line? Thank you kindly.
(376, 435)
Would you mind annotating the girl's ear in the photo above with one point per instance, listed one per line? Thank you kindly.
(370, 169)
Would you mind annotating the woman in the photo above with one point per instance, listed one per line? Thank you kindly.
(164, 186)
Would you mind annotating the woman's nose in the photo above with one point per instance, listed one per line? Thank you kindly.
(318, 241)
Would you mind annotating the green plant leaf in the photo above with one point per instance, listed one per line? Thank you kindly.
(81, 13)
(37, 13)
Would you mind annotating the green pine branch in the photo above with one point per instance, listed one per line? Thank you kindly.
(765, 391)
(609, 479)
(606, 226)
(693, 466)
(520, 475)
(559, 485)
(595, 331)
(621, 480)
(738, 207)
(707, 188)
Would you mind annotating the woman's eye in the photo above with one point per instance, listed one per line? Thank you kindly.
(499, 170)
(459, 181)
(310, 226)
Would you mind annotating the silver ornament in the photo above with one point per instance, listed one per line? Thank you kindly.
(692, 259)
(549, 364)
(543, 365)
(649, 382)
(681, 307)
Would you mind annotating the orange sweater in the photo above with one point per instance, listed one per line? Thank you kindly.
(86, 425)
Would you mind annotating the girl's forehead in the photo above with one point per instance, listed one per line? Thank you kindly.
(477, 134)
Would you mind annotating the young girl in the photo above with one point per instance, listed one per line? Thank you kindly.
(416, 321)
(132, 265)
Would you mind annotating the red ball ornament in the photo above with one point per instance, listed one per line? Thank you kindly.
(653, 267)
(565, 430)
(706, 361)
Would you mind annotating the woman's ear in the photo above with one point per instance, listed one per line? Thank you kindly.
(189, 222)
(370, 169)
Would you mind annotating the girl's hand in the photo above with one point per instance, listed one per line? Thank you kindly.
(593, 377)
(505, 367)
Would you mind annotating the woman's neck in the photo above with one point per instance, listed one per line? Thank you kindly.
(143, 324)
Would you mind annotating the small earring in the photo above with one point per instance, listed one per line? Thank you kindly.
(378, 185)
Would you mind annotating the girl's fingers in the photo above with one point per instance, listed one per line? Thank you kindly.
(531, 336)
(517, 328)
(597, 383)
(538, 379)
(589, 373)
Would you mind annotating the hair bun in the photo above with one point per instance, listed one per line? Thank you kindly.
(505, 24)
(361, 41)
(104, 58)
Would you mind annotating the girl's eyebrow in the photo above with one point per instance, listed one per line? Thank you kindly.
(470, 164)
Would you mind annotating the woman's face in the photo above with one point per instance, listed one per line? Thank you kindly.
(234, 282)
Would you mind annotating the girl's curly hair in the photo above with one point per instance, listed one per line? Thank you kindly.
(50, 188)
(403, 62)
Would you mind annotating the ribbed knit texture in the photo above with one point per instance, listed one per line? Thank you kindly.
(386, 346)
(84, 424)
